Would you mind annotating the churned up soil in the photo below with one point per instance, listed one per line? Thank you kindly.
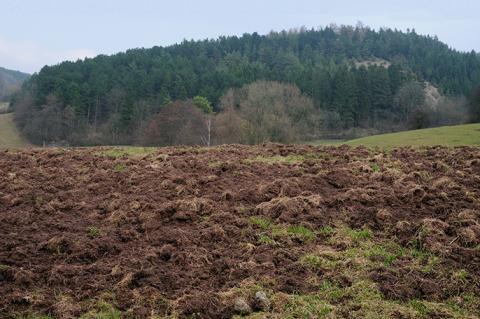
(273, 231)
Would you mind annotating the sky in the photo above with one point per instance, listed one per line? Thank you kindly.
(34, 33)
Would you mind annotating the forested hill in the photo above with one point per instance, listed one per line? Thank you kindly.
(10, 81)
(121, 91)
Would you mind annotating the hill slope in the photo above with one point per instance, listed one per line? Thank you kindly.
(274, 231)
(119, 92)
(456, 135)
(9, 134)
(10, 81)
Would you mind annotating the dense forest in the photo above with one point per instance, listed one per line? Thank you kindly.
(10, 81)
(348, 78)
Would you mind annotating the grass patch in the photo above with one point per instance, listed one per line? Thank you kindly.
(301, 232)
(265, 239)
(427, 260)
(215, 164)
(312, 260)
(261, 222)
(387, 253)
(348, 235)
(33, 316)
(120, 167)
(456, 135)
(93, 231)
(359, 235)
(332, 291)
(9, 134)
(272, 231)
(103, 310)
(127, 151)
(461, 276)
(277, 159)
(320, 262)
(289, 159)
(419, 307)
(326, 142)
(326, 231)
(306, 306)
(361, 297)
(4, 267)
(375, 167)
(278, 231)
(362, 255)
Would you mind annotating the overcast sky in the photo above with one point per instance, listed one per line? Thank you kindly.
(38, 32)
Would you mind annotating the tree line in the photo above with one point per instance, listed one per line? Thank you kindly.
(353, 78)
(10, 81)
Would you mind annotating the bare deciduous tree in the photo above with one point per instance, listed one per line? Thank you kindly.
(229, 128)
(270, 111)
(410, 98)
(178, 123)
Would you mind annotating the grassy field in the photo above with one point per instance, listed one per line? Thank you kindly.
(468, 134)
(9, 135)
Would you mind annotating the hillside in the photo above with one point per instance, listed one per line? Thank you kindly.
(120, 93)
(457, 135)
(9, 134)
(10, 81)
(272, 231)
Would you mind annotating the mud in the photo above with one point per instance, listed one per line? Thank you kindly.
(170, 232)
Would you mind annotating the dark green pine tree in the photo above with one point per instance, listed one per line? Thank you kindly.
(317, 61)
(398, 75)
(364, 96)
(126, 116)
(381, 94)
(322, 88)
(345, 95)
(475, 106)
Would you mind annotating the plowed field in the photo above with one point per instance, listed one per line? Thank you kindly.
(271, 231)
